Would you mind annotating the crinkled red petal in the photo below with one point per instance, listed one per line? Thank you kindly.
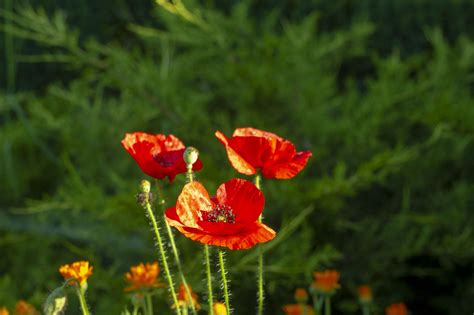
(192, 200)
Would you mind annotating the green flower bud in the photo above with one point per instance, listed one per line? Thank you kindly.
(190, 156)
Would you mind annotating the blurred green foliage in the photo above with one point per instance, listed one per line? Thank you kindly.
(386, 199)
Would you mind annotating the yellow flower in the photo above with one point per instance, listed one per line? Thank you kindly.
(79, 270)
(185, 300)
(24, 308)
(326, 281)
(4, 311)
(219, 308)
(143, 276)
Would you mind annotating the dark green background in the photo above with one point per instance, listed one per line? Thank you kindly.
(380, 91)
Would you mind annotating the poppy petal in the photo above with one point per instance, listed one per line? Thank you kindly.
(237, 161)
(254, 150)
(259, 233)
(172, 217)
(287, 170)
(249, 131)
(141, 152)
(245, 199)
(221, 228)
(192, 200)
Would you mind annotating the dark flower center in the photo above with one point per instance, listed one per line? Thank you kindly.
(220, 213)
(163, 160)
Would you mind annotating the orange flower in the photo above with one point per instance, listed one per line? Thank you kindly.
(230, 219)
(298, 309)
(301, 296)
(396, 309)
(24, 308)
(185, 300)
(4, 311)
(157, 155)
(79, 270)
(143, 277)
(250, 149)
(326, 281)
(219, 309)
(365, 293)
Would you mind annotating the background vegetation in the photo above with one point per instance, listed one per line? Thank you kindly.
(380, 91)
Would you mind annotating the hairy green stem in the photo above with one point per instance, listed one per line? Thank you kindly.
(224, 280)
(209, 280)
(161, 249)
(190, 173)
(327, 305)
(82, 300)
(260, 294)
(161, 201)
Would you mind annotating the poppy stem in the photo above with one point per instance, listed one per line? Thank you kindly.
(224, 280)
(82, 300)
(162, 251)
(209, 279)
(161, 201)
(260, 294)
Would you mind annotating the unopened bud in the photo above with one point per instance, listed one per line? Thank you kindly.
(190, 156)
(365, 294)
(219, 309)
(145, 186)
(301, 296)
(56, 302)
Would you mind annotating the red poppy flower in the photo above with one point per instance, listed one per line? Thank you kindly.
(157, 155)
(250, 149)
(230, 219)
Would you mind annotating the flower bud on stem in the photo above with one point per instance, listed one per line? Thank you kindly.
(190, 156)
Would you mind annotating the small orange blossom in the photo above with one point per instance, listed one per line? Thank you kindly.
(298, 309)
(79, 270)
(301, 296)
(143, 276)
(24, 308)
(185, 300)
(365, 293)
(326, 281)
(4, 311)
(396, 309)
